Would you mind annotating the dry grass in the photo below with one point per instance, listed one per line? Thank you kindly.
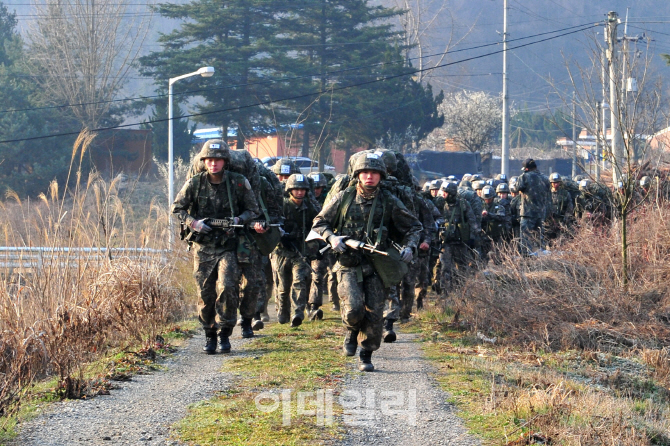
(68, 308)
(574, 298)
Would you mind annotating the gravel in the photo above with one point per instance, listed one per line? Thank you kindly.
(142, 410)
(399, 403)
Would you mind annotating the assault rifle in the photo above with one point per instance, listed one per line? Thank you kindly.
(227, 223)
(355, 244)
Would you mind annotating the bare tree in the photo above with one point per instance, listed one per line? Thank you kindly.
(421, 18)
(81, 52)
(471, 120)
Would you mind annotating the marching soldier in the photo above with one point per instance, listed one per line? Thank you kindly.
(291, 258)
(535, 198)
(562, 208)
(365, 213)
(494, 220)
(226, 196)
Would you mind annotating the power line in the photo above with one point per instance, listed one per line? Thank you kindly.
(189, 92)
(261, 103)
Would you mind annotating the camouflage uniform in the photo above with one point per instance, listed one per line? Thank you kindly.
(359, 286)
(561, 213)
(535, 198)
(321, 263)
(457, 215)
(493, 224)
(424, 259)
(290, 259)
(215, 259)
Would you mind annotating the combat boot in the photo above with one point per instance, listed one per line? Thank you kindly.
(296, 321)
(315, 313)
(419, 303)
(247, 332)
(388, 335)
(365, 361)
(224, 342)
(210, 342)
(335, 307)
(350, 343)
(265, 317)
(257, 322)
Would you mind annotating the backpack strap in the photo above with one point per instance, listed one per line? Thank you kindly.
(197, 182)
(347, 199)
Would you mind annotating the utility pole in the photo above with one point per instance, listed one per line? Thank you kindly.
(615, 118)
(504, 162)
(574, 136)
(604, 106)
(598, 105)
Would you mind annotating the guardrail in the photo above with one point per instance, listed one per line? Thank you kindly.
(64, 257)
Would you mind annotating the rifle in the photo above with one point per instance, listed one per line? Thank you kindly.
(355, 244)
(227, 223)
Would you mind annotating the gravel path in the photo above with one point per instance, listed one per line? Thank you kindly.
(141, 411)
(399, 403)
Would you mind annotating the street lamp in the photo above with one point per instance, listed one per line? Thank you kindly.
(204, 72)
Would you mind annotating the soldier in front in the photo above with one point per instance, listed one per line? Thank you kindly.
(366, 213)
(225, 196)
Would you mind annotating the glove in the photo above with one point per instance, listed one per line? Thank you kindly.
(337, 243)
(406, 255)
(200, 226)
(236, 220)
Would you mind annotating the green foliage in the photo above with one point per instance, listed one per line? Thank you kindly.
(26, 167)
(539, 129)
(182, 134)
(313, 47)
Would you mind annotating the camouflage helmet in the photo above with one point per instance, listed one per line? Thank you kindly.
(645, 181)
(389, 159)
(297, 181)
(475, 177)
(514, 179)
(502, 177)
(491, 182)
(426, 186)
(450, 188)
(513, 188)
(371, 161)
(578, 178)
(488, 192)
(503, 188)
(584, 184)
(215, 148)
(435, 184)
(451, 178)
(478, 185)
(465, 184)
(285, 166)
(320, 179)
(555, 177)
(467, 177)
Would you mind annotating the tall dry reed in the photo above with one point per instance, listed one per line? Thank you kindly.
(61, 309)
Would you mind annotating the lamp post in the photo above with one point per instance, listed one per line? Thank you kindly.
(204, 72)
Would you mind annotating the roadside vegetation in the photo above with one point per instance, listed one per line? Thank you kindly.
(556, 349)
(73, 320)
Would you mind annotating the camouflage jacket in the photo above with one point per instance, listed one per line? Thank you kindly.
(494, 223)
(562, 207)
(455, 214)
(535, 194)
(297, 223)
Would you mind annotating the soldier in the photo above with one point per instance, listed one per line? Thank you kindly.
(284, 168)
(562, 208)
(425, 257)
(504, 200)
(321, 264)
(215, 194)
(291, 258)
(494, 221)
(593, 205)
(477, 186)
(435, 187)
(457, 235)
(535, 198)
(365, 212)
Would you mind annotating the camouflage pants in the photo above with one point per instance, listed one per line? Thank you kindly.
(532, 234)
(216, 281)
(454, 266)
(423, 278)
(293, 278)
(267, 284)
(320, 268)
(253, 285)
(407, 293)
(391, 304)
(362, 303)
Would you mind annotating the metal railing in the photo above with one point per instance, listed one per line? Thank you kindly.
(64, 257)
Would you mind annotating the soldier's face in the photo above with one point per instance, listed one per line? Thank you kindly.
(317, 191)
(443, 194)
(555, 186)
(298, 194)
(503, 195)
(283, 177)
(434, 192)
(490, 200)
(214, 165)
(369, 178)
(479, 193)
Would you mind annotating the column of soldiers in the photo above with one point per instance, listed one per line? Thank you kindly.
(373, 240)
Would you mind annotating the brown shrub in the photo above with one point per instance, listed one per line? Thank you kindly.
(573, 298)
